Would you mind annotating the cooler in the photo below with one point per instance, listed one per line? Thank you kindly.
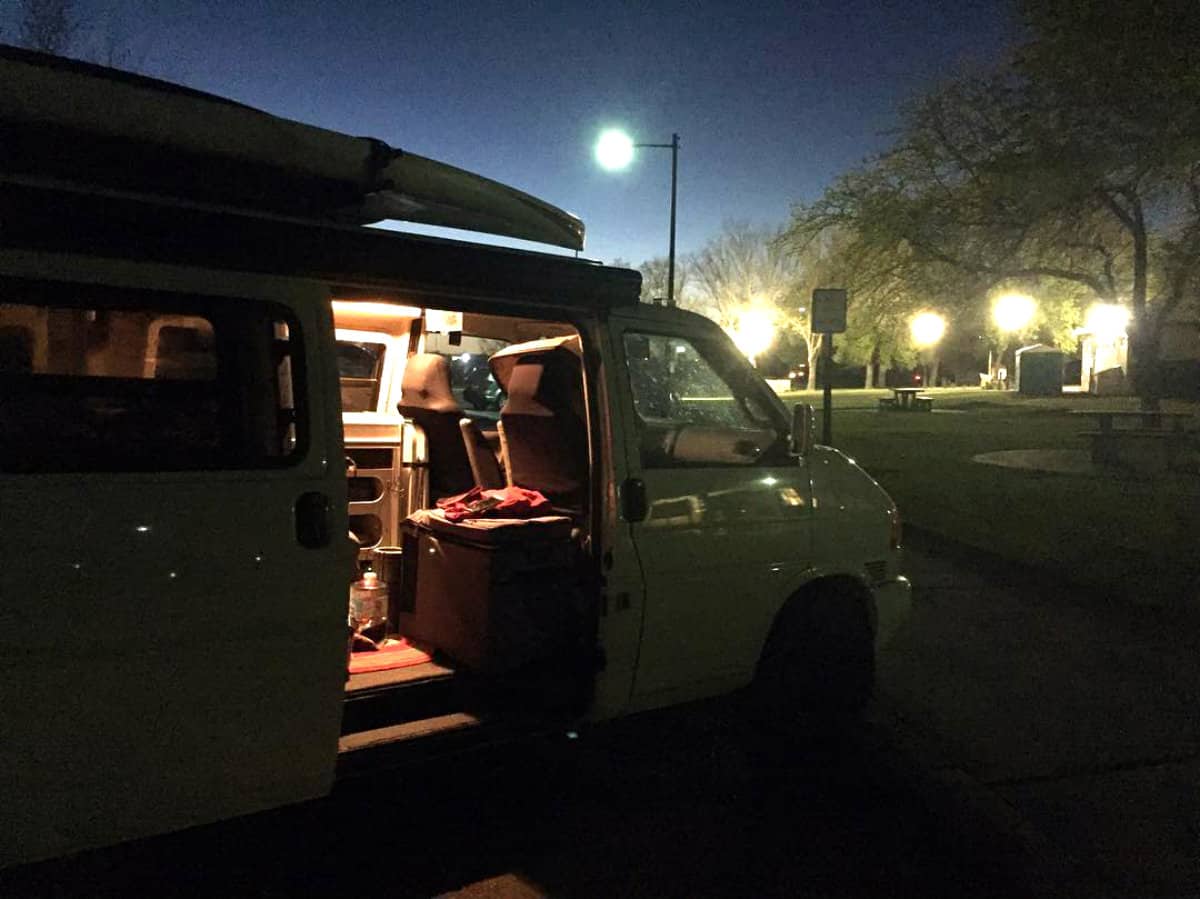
(492, 594)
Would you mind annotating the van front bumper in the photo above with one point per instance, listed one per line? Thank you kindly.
(893, 605)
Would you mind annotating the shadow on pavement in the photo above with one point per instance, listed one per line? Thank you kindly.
(676, 803)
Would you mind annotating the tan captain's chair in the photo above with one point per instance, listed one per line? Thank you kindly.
(427, 401)
(544, 429)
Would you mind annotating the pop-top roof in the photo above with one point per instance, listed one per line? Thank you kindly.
(90, 125)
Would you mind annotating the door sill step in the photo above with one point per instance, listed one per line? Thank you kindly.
(409, 730)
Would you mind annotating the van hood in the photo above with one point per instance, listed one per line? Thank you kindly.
(846, 483)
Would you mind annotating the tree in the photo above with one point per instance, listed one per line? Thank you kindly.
(50, 26)
(748, 267)
(744, 268)
(1072, 166)
(1118, 84)
(654, 279)
(742, 265)
(880, 300)
(58, 27)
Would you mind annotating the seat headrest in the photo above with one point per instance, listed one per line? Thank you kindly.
(426, 384)
(524, 383)
(545, 384)
(503, 361)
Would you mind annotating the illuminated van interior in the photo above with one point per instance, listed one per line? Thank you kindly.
(374, 343)
(426, 417)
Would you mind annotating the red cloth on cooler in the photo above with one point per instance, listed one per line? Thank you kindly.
(503, 502)
(392, 654)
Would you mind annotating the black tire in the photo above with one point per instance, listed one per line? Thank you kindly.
(817, 669)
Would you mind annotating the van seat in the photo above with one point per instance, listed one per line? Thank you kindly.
(485, 467)
(427, 400)
(543, 427)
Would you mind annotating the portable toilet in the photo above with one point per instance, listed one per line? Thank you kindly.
(1040, 370)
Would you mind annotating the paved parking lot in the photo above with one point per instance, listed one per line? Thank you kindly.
(668, 804)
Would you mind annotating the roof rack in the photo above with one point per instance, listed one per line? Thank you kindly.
(94, 126)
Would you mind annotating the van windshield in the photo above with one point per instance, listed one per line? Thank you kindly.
(470, 374)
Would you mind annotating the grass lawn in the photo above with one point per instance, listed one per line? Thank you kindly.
(1135, 537)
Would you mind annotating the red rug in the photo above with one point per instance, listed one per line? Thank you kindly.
(393, 654)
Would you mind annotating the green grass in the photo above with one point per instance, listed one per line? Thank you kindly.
(1133, 536)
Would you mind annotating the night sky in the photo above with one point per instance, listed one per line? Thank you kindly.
(771, 100)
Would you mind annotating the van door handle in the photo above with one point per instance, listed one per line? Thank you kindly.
(632, 496)
(314, 516)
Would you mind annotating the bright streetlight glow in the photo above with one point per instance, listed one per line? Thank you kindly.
(754, 331)
(1013, 311)
(927, 329)
(1106, 321)
(614, 149)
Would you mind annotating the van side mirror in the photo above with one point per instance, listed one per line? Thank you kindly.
(800, 439)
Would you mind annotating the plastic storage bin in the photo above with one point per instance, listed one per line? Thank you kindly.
(492, 594)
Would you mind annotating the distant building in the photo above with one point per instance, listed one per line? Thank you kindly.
(1179, 359)
(1105, 357)
(1103, 362)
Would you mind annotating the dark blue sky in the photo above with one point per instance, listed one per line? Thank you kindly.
(771, 99)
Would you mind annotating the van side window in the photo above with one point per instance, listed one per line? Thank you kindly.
(95, 379)
(360, 367)
(692, 408)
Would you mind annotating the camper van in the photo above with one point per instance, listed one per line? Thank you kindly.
(286, 497)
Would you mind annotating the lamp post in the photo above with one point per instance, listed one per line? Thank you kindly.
(1012, 312)
(927, 329)
(614, 150)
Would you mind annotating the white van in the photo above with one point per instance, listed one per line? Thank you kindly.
(221, 396)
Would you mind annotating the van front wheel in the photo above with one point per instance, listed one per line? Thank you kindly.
(817, 669)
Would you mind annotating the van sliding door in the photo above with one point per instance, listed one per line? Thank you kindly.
(173, 561)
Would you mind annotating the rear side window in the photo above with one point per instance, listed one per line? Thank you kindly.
(360, 367)
(95, 379)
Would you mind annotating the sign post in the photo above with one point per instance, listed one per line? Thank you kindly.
(828, 318)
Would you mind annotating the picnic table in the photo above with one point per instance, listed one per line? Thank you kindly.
(1154, 442)
(907, 399)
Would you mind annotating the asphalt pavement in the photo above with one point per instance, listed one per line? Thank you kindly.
(1068, 719)
(678, 803)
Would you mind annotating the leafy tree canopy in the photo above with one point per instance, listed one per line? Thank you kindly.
(1074, 166)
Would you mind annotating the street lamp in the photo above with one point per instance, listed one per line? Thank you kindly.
(1011, 312)
(1107, 321)
(927, 329)
(753, 332)
(614, 151)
